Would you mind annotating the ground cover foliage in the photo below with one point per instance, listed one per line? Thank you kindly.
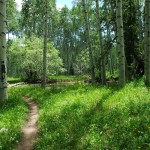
(92, 117)
(13, 113)
(80, 117)
(12, 80)
(68, 78)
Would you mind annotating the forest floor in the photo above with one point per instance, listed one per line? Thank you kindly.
(80, 116)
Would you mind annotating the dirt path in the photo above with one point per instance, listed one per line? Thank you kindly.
(30, 130)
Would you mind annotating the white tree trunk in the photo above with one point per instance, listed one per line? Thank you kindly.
(120, 42)
(45, 46)
(3, 70)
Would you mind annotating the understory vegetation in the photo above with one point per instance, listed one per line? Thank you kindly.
(13, 113)
(12, 80)
(85, 116)
(70, 78)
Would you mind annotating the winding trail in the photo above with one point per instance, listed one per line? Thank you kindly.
(30, 130)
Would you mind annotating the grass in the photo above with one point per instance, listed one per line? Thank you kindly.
(65, 78)
(12, 80)
(92, 117)
(12, 117)
(54, 79)
(81, 117)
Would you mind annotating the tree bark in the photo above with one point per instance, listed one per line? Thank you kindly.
(102, 61)
(147, 41)
(89, 40)
(120, 42)
(3, 70)
(45, 46)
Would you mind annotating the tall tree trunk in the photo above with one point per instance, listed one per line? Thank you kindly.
(45, 47)
(147, 41)
(102, 58)
(3, 71)
(140, 19)
(107, 10)
(88, 39)
(111, 63)
(120, 42)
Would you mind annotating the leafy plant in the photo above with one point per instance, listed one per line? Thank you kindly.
(13, 113)
(28, 59)
(92, 117)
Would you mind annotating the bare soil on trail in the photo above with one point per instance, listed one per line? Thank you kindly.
(30, 130)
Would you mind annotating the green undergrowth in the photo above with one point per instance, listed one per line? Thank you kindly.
(64, 78)
(12, 80)
(12, 117)
(92, 117)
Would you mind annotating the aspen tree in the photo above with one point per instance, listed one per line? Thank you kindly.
(102, 61)
(120, 43)
(45, 46)
(3, 70)
(88, 39)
